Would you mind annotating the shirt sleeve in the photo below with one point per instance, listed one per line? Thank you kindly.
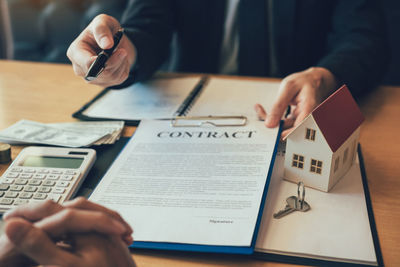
(149, 25)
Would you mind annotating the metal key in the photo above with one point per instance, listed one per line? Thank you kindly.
(301, 204)
(294, 203)
(290, 207)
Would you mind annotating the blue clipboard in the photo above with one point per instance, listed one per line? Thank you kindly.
(219, 249)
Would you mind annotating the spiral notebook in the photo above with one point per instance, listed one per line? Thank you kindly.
(166, 98)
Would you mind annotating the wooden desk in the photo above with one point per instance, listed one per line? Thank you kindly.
(51, 93)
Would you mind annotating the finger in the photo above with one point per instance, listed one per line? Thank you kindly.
(82, 203)
(34, 211)
(102, 28)
(293, 121)
(303, 110)
(287, 92)
(123, 72)
(286, 132)
(260, 111)
(115, 249)
(35, 244)
(82, 70)
(114, 74)
(288, 123)
(126, 72)
(128, 240)
(9, 255)
(78, 70)
(81, 55)
(302, 115)
(72, 220)
(116, 60)
(103, 36)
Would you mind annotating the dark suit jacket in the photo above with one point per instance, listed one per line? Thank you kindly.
(345, 36)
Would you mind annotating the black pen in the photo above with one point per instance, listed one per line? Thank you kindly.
(100, 63)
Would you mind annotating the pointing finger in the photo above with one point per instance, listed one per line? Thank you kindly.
(287, 92)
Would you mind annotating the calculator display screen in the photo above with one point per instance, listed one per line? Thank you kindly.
(52, 162)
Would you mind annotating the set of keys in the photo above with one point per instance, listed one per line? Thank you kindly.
(294, 203)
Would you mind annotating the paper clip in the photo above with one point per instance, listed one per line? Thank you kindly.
(216, 121)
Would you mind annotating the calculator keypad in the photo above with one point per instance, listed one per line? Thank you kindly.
(21, 185)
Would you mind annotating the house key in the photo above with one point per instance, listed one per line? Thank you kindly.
(294, 203)
(289, 208)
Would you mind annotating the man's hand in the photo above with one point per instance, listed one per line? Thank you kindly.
(303, 91)
(99, 35)
(96, 235)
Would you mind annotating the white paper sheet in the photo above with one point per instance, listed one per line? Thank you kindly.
(161, 98)
(222, 96)
(336, 228)
(190, 185)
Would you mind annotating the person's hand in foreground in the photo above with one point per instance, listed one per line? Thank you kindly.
(77, 233)
(98, 35)
(303, 91)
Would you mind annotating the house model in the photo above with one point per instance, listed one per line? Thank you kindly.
(323, 147)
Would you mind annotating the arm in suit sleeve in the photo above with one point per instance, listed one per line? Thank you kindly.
(357, 49)
(149, 25)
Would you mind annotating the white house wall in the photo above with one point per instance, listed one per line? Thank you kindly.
(350, 143)
(318, 150)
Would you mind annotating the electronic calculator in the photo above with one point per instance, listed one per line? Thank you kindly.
(39, 173)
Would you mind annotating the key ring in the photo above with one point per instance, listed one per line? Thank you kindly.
(301, 200)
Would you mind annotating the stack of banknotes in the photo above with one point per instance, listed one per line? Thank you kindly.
(70, 134)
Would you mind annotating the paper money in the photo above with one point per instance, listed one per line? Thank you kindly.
(110, 129)
(77, 134)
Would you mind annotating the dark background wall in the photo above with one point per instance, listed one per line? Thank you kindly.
(43, 29)
(391, 9)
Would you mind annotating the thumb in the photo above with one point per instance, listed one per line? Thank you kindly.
(103, 27)
(35, 244)
(287, 91)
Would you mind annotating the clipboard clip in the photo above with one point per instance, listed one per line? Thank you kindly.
(216, 121)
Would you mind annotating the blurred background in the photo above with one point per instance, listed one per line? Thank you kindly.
(41, 30)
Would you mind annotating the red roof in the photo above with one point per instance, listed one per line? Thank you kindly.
(338, 117)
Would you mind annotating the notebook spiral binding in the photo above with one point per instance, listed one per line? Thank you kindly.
(190, 100)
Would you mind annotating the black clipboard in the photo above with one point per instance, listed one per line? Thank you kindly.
(182, 110)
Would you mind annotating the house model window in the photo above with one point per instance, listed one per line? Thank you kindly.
(336, 167)
(298, 161)
(346, 154)
(310, 134)
(316, 166)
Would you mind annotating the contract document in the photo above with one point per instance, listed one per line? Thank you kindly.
(192, 185)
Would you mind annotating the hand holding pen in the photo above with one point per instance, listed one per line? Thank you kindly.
(102, 54)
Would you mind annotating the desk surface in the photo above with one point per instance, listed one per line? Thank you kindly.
(51, 93)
